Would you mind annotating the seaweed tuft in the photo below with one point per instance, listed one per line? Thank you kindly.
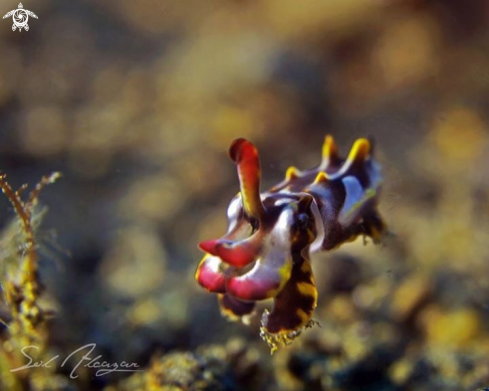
(23, 315)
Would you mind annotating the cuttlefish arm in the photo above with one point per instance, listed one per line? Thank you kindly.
(267, 277)
(245, 155)
(234, 248)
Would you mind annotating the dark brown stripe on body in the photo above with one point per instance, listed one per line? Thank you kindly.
(295, 304)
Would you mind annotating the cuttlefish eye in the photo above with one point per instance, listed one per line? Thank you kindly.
(303, 221)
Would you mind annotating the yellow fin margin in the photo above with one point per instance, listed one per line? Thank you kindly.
(321, 177)
(359, 151)
(330, 149)
(292, 173)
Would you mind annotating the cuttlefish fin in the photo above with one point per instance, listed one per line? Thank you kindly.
(330, 154)
(330, 150)
(292, 173)
(360, 151)
(356, 200)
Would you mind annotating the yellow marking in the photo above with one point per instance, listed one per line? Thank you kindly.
(306, 289)
(197, 272)
(303, 316)
(330, 150)
(250, 205)
(284, 272)
(321, 178)
(226, 312)
(291, 173)
(359, 151)
(306, 267)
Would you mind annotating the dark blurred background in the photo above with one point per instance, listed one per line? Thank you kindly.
(137, 102)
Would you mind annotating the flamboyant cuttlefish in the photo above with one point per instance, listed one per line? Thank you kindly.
(265, 253)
